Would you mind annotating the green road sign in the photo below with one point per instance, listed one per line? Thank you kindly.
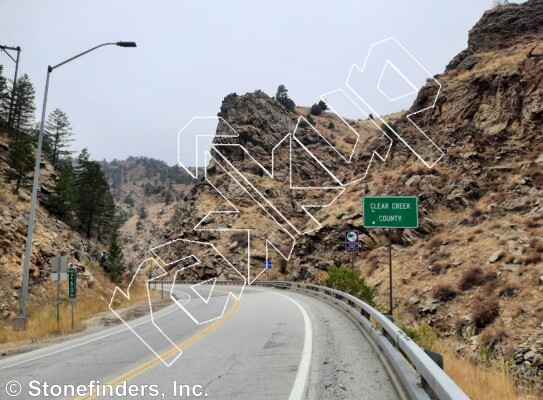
(391, 212)
(72, 287)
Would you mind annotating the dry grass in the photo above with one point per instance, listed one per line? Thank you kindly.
(479, 382)
(482, 383)
(41, 311)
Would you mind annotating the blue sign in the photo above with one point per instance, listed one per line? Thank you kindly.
(268, 264)
(351, 240)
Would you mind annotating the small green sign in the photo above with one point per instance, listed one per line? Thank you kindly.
(391, 212)
(72, 287)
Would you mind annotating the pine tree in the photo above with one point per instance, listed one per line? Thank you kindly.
(4, 99)
(106, 216)
(22, 116)
(142, 212)
(21, 161)
(62, 201)
(315, 109)
(115, 267)
(282, 97)
(94, 206)
(58, 133)
(322, 105)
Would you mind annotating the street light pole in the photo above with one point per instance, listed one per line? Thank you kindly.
(18, 50)
(20, 322)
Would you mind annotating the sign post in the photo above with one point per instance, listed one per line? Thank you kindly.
(59, 266)
(268, 264)
(391, 212)
(72, 290)
(351, 244)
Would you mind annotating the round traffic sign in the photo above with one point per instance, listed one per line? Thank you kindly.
(352, 236)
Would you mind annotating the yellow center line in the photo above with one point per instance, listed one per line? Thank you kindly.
(154, 361)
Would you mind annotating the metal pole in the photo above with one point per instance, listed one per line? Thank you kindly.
(162, 288)
(352, 269)
(73, 301)
(20, 322)
(390, 270)
(59, 263)
(10, 117)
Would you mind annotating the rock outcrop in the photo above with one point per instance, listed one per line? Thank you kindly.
(479, 247)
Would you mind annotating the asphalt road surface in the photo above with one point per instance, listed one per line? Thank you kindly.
(272, 344)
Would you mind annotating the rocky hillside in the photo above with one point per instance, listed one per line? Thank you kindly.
(141, 181)
(474, 269)
(144, 190)
(51, 238)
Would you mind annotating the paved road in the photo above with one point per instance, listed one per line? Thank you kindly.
(271, 344)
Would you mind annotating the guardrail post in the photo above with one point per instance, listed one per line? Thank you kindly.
(436, 357)
(385, 333)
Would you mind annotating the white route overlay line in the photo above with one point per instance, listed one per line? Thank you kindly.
(193, 287)
(213, 135)
(361, 70)
(301, 378)
(373, 154)
(305, 207)
(154, 251)
(127, 295)
(117, 330)
(268, 243)
(268, 202)
(388, 62)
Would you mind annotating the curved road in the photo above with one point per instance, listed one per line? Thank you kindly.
(271, 344)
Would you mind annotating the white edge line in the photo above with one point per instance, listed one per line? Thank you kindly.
(300, 383)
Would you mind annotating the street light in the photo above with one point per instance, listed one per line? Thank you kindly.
(18, 50)
(20, 322)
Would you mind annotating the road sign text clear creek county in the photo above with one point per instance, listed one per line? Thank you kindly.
(391, 212)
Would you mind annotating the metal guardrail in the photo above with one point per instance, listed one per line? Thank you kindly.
(418, 373)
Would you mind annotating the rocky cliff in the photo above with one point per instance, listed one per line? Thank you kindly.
(474, 268)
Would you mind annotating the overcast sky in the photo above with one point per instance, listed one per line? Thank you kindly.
(192, 53)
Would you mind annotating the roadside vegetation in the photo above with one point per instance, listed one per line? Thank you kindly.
(81, 196)
(350, 281)
(41, 309)
(490, 381)
(77, 194)
(480, 382)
